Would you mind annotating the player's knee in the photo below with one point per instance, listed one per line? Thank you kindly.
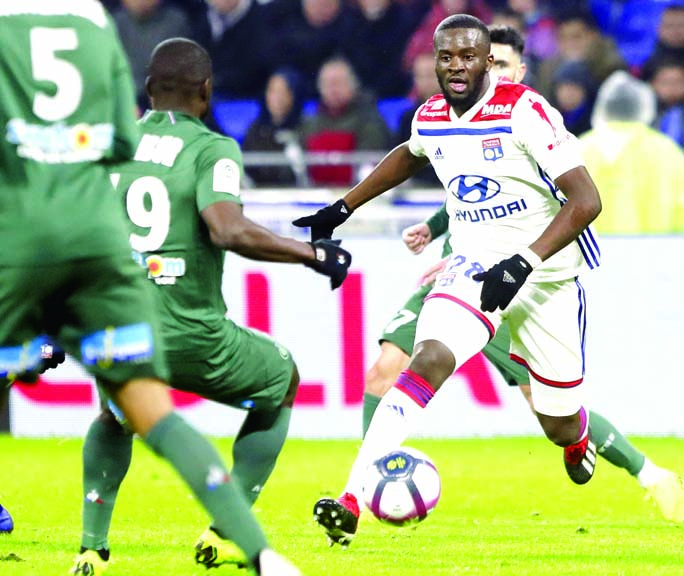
(561, 430)
(107, 418)
(433, 361)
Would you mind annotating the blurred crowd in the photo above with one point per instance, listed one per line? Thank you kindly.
(347, 75)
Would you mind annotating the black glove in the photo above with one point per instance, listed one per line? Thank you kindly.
(324, 221)
(331, 261)
(501, 282)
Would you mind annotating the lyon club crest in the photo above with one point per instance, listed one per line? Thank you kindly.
(492, 149)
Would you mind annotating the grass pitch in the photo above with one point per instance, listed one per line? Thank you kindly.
(507, 508)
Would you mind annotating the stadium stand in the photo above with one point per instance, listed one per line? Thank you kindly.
(234, 116)
(632, 23)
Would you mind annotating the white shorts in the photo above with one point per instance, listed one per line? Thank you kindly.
(547, 322)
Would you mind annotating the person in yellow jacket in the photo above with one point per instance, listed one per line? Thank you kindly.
(639, 171)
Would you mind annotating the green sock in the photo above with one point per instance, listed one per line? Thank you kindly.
(613, 446)
(257, 447)
(106, 457)
(200, 465)
(370, 404)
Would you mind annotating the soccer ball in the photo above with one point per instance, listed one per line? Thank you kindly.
(402, 487)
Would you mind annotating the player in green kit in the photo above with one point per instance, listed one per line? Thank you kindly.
(396, 342)
(67, 117)
(181, 193)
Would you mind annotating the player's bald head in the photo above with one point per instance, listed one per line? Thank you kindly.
(178, 65)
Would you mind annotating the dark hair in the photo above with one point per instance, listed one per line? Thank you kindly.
(577, 73)
(295, 83)
(653, 66)
(178, 64)
(462, 21)
(574, 14)
(510, 14)
(509, 36)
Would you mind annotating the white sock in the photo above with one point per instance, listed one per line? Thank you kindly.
(651, 474)
(392, 422)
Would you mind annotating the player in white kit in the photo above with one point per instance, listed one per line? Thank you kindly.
(520, 203)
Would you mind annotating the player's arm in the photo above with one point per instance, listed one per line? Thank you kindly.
(396, 167)
(219, 180)
(559, 155)
(218, 201)
(230, 229)
(582, 207)
(416, 237)
(541, 132)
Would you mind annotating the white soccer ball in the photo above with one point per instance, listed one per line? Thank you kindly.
(402, 487)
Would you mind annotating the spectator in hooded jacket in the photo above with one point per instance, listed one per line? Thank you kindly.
(573, 91)
(640, 171)
(276, 129)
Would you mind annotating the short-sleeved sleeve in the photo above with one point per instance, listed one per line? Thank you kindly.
(415, 144)
(219, 173)
(539, 127)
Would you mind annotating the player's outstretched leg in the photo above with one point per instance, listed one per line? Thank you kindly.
(339, 518)
(663, 486)
(257, 447)
(6, 522)
(107, 451)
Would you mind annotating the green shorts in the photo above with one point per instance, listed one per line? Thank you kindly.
(98, 310)
(249, 370)
(401, 331)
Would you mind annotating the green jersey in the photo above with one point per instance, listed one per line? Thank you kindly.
(66, 109)
(180, 168)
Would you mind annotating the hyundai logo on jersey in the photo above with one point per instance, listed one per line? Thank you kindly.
(492, 149)
(474, 189)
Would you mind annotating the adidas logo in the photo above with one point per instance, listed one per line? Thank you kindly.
(343, 209)
(438, 154)
(508, 278)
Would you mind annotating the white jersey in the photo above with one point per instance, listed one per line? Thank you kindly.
(498, 163)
